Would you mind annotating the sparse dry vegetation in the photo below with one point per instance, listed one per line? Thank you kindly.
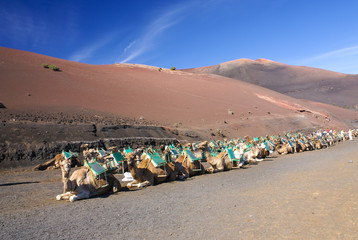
(51, 66)
(54, 67)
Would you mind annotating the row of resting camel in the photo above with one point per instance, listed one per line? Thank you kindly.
(186, 162)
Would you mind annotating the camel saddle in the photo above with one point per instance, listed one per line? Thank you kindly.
(69, 154)
(102, 152)
(191, 156)
(96, 168)
(117, 159)
(128, 150)
(232, 156)
(157, 160)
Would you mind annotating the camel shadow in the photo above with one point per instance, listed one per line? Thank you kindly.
(244, 167)
(17, 183)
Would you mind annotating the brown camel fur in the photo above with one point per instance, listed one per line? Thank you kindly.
(83, 184)
(146, 174)
(264, 153)
(284, 148)
(303, 146)
(54, 163)
(318, 144)
(219, 163)
(189, 166)
(252, 155)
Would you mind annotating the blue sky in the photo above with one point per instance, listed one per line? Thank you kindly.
(187, 33)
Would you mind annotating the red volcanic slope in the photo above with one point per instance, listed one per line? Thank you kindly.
(200, 102)
(296, 81)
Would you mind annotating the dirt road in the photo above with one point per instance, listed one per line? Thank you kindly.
(311, 195)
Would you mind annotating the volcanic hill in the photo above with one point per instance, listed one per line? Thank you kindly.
(47, 111)
(296, 81)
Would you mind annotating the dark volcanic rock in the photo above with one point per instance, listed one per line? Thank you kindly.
(27, 143)
(2, 105)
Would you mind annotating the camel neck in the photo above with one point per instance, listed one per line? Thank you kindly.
(133, 169)
(65, 174)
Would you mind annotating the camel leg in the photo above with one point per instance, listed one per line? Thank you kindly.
(134, 183)
(211, 170)
(81, 195)
(220, 169)
(63, 196)
(139, 185)
(144, 184)
(181, 170)
(116, 186)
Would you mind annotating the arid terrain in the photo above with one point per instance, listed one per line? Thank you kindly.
(45, 111)
(296, 81)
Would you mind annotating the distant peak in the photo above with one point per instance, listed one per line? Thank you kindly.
(246, 60)
(263, 60)
(240, 60)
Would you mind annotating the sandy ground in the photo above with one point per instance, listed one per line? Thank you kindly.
(311, 195)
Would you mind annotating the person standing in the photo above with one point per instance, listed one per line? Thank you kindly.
(350, 134)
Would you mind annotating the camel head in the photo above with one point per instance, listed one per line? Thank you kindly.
(89, 154)
(65, 166)
(202, 146)
(188, 145)
(130, 157)
(113, 149)
(138, 152)
(84, 146)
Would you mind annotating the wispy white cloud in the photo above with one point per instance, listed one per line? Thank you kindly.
(342, 60)
(146, 41)
(339, 53)
(129, 46)
(89, 50)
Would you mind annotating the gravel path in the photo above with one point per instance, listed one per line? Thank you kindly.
(311, 195)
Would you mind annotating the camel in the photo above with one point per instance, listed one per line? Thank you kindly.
(300, 146)
(54, 163)
(252, 154)
(192, 168)
(329, 140)
(264, 150)
(309, 146)
(319, 144)
(83, 184)
(284, 148)
(219, 163)
(146, 174)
